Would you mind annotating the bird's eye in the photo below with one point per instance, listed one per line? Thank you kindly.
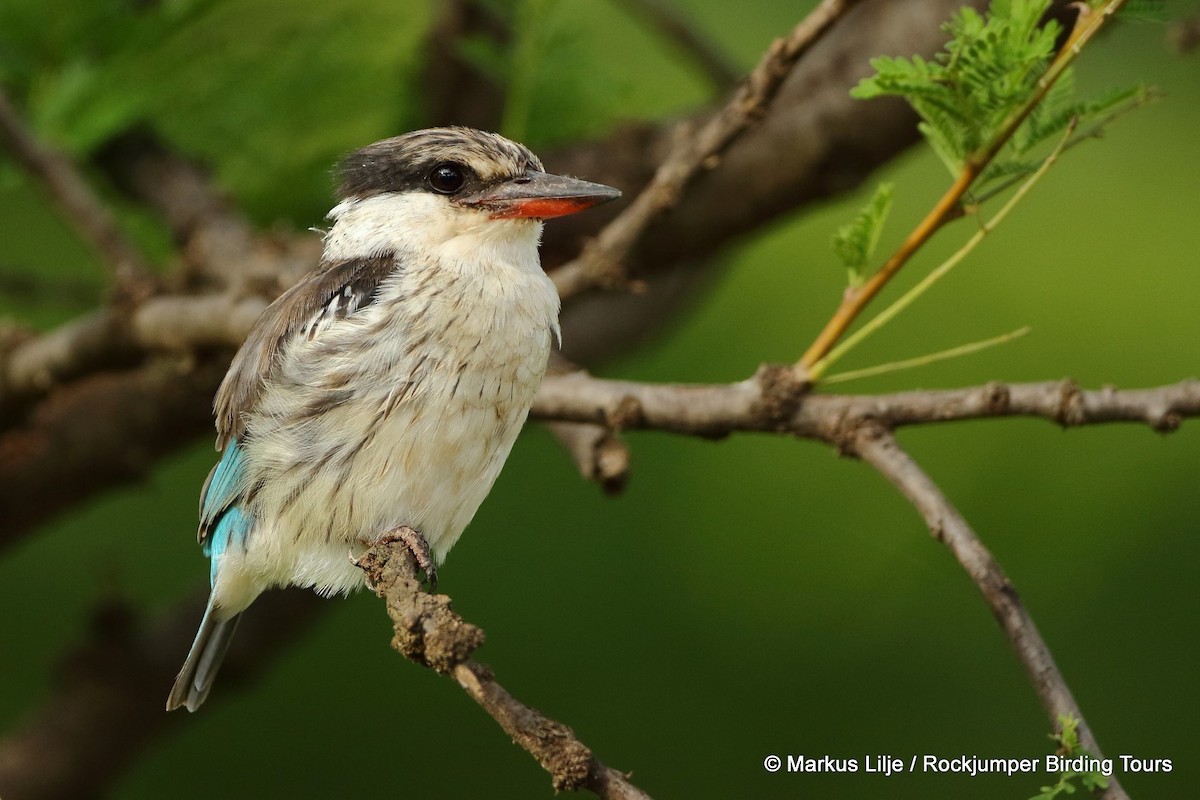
(447, 177)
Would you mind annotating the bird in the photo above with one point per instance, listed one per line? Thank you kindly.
(380, 395)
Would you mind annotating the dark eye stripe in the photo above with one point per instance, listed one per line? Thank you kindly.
(404, 163)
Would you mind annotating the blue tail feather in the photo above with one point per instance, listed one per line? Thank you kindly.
(222, 525)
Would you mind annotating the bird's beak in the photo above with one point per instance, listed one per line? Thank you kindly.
(540, 195)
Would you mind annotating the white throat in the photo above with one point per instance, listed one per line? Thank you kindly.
(426, 223)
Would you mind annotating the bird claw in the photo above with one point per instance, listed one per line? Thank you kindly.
(419, 547)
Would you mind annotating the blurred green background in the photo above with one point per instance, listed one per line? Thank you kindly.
(755, 596)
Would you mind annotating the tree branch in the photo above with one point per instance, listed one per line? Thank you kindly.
(74, 198)
(108, 703)
(161, 407)
(876, 445)
(689, 41)
(815, 142)
(101, 432)
(949, 205)
(105, 339)
(599, 454)
(831, 141)
(428, 632)
(769, 402)
(601, 261)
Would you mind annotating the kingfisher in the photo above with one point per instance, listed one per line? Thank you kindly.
(380, 396)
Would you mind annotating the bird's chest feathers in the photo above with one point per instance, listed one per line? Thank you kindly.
(468, 299)
(470, 335)
(404, 411)
(409, 407)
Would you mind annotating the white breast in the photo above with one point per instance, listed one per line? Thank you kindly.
(404, 412)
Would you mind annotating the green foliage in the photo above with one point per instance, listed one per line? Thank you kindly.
(969, 98)
(268, 93)
(1069, 746)
(855, 241)
(967, 93)
(1050, 118)
(991, 68)
(1145, 11)
(55, 61)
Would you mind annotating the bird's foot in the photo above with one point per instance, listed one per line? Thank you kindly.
(416, 544)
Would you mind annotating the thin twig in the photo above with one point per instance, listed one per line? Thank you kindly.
(948, 207)
(691, 42)
(429, 632)
(75, 199)
(815, 371)
(878, 447)
(961, 350)
(601, 262)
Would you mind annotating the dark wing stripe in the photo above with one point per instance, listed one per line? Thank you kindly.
(351, 297)
(332, 292)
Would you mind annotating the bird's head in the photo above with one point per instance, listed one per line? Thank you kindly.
(458, 180)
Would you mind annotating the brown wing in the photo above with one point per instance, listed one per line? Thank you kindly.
(329, 293)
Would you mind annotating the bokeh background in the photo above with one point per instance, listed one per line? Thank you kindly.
(742, 598)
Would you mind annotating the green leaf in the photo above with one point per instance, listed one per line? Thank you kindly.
(967, 94)
(1144, 11)
(1068, 743)
(855, 242)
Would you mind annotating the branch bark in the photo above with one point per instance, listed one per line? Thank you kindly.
(429, 632)
(877, 446)
(599, 454)
(772, 402)
(601, 262)
(102, 432)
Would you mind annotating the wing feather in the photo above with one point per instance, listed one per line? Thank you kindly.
(332, 292)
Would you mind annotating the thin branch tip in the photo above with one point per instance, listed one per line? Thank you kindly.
(79, 205)
(428, 632)
(696, 148)
(878, 447)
